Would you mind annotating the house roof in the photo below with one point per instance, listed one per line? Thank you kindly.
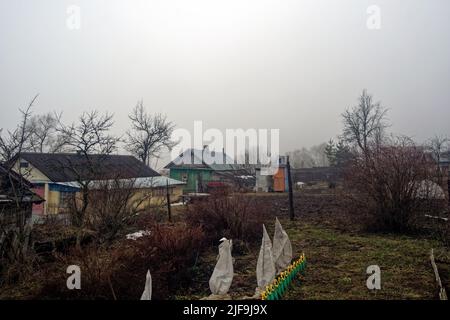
(21, 189)
(15, 176)
(194, 159)
(145, 182)
(66, 167)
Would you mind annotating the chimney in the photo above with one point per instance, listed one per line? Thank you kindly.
(205, 146)
(224, 156)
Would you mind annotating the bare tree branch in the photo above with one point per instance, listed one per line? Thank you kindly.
(149, 134)
(364, 123)
(437, 146)
(87, 137)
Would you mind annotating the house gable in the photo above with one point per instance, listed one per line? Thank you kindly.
(29, 171)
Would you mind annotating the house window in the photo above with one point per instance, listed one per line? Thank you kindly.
(24, 164)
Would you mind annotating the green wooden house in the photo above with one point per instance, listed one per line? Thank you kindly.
(198, 175)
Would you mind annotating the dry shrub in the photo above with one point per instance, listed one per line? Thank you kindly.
(113, 206)
(97, 266)
(387, 183)
(238, 217)
(169, 252)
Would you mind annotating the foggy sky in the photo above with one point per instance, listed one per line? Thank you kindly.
(290, 65)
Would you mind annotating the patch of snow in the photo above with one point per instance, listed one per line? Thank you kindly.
(137, 235)
(436, 217)
(427, 189)
(176, 204)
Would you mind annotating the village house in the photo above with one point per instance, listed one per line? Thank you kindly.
(273, 183)
(145, 191)
(55, 177)
(200, 176)
(16, 198)
(278, 182)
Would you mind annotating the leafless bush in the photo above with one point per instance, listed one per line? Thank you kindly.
(170, 252)
(118, 272)
(395, 182)
(232, 216)
(114, 206)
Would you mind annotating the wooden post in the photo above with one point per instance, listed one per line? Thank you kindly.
(291, 195)
(442, 293)
(169, 209)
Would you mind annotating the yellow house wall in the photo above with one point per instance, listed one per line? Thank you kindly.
(177, 193)
(53, 202)
(153, 199)
(31, 173)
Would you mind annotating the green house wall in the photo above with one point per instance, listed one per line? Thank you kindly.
(194, 176)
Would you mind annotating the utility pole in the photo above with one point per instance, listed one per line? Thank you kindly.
(291, 196)
(168, 200)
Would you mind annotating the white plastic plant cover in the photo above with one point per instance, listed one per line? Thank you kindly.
(282, 248)
(265, 269)
(222, 276)
(147, 294)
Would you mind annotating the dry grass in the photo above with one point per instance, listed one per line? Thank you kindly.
(337, 265)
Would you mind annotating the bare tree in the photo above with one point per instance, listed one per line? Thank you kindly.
(364, 123)
(149, 134)
(44, 136)
(319, 155)
(330, 152)
(437, 146)
(9, 144)
(87, 137)
(14, 184)
(316, 156)
(17, 140)
(90, 135)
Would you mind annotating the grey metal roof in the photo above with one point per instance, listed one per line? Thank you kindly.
(146, 182)
(195, 160)
(65, 167)
(21, 189)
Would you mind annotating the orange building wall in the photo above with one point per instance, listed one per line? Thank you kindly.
(279, 181)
